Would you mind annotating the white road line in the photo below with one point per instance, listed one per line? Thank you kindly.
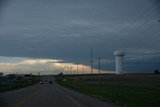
(75, 102)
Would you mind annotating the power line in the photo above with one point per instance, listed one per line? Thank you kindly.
(132, 23)
(144, 21)
(139, 55)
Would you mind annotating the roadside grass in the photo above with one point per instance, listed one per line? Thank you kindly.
(15, 86)
(134, 95)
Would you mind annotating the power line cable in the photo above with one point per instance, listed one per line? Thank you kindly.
(129, 25)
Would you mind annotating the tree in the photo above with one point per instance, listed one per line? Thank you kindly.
(1, 73)
(60, 74)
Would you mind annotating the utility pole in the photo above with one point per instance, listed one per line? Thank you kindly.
(71, 70)
(74, 71)
(99, 66)
(83, 70)
(91, 61)
(77, 67)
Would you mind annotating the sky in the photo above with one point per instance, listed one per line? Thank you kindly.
(66, 30)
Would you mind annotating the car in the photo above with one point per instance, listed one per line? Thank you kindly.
(41, 82)
(50, 82)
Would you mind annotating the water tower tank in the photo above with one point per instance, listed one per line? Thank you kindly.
(119, 61)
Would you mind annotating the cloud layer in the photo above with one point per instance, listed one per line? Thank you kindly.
(68, 29)
(42, 66)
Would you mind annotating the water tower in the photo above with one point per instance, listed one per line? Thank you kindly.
(119, 61)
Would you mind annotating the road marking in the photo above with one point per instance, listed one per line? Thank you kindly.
(27, 98)
(7, 94)
(75, 102)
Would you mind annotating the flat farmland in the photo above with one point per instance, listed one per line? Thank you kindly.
(129, 90)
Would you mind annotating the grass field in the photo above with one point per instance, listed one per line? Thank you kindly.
(14, 86)
(129, 90)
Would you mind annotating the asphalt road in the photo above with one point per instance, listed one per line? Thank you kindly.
(48, 95)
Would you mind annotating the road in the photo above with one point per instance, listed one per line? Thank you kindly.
(48, 95)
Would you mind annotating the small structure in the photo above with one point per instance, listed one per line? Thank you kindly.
(156, 72)
(119, 61)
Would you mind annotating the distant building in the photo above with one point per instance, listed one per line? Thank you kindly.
(156, 72)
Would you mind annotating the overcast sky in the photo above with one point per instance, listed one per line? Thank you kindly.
(67, 30)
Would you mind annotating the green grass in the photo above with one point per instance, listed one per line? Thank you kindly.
(16, 86)
(123, 95)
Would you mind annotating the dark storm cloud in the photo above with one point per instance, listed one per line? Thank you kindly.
(3, 4)
(68, 29)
